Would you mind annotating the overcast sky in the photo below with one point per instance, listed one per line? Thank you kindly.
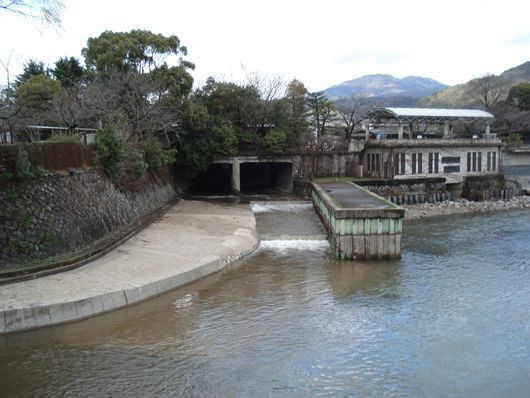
(321, 43)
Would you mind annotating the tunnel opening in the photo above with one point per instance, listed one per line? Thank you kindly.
(216, 180)
(266, 177)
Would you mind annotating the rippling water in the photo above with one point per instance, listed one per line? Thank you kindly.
(450, 319)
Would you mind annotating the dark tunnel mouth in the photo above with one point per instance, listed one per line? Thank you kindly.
(264, 177)
(216, 180)
(254, 178)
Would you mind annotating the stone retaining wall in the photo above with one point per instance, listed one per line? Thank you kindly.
(411, 191)
(47, 216)
(479, 188)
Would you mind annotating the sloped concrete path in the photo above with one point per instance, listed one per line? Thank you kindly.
(192, 240)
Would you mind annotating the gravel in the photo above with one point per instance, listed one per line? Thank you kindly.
(463, 206)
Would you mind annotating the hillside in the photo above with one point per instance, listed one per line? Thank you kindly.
(386, 88)
(464, 96)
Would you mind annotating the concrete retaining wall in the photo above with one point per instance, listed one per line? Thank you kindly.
(478, 188)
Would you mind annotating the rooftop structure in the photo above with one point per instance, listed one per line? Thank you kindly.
(394, 120)
(430, 115)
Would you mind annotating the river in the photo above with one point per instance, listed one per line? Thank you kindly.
(450, 319)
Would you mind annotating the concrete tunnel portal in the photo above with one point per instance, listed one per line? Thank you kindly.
(245, 175)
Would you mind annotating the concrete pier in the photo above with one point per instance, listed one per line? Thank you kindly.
(360, 224)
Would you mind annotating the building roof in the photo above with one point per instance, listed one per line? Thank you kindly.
(433, 115)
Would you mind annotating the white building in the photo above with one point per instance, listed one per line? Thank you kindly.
(418, 143)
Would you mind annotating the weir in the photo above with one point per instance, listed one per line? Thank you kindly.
(360, 224)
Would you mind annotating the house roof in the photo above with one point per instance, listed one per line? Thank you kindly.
(432, 115)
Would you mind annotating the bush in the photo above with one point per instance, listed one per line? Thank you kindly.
(135, 164)
(275, 141)
(22, 163)
(156, 156)
(110, 151)
(64, 138)
(200, 147)
(512, 139)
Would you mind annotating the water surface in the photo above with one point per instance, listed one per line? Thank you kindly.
(450, 319)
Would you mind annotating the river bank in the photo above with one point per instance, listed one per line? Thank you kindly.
(190, 241)
(463, 206)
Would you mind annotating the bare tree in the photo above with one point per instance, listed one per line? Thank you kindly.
(48, 12)
(488, 88)
(350, 112)
(313, 155)
(129, 99)
(8, 107)
(270, 89)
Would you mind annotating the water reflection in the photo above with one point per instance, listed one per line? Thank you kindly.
(381, 278)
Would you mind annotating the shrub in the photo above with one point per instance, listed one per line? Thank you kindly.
(156, 156)
(275, 141)
(22, 163)
(64, 138)
(135, 164)
(110, 151)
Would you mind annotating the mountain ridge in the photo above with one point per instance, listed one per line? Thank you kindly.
(384, 86)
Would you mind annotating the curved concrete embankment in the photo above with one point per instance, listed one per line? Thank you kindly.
(190, 241)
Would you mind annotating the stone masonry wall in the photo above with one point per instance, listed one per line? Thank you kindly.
(479, 188)
(46, 216)
(409, 191)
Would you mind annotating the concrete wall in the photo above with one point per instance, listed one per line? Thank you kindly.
(47, 216)
(516, 166)
(328, 165)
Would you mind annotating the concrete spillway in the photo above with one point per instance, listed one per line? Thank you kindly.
(360, 224)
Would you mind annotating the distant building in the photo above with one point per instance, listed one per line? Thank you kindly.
(42, 133)
(418, 143)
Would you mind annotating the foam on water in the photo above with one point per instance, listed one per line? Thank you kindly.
(269, 207)
(296, 244)
(184, 301)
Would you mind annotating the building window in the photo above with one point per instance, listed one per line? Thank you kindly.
(420, 163)
(413, 163)
(479, 161)
(377, 167)
(493, 161)
(451, 159)
(431, 163)
(488, 161)
(469, 161)
(474, 161)
(403, 163)
(451, 169)
(436, 162)
(396, 164)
